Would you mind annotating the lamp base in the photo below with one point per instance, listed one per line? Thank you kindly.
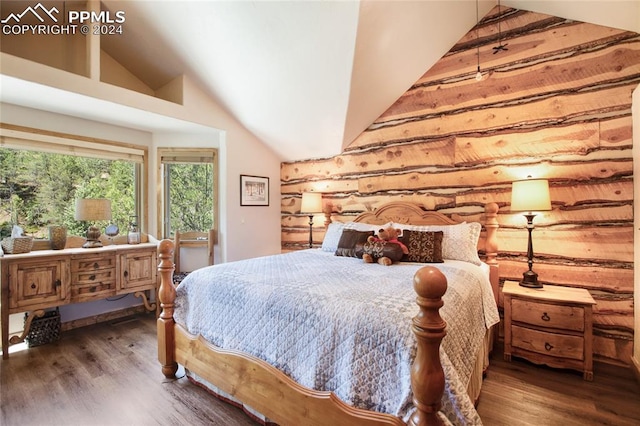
(93, 235)
(530, 280)
(310, 231)
(92, 244)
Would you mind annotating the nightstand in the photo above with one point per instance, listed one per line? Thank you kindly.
(551, 326)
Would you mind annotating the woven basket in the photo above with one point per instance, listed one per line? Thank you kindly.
(15, 245)
(45, 329)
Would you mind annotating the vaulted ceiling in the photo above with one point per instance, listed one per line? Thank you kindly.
(305, 77)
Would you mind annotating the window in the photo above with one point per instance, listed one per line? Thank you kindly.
(189, 178)
(42, 175)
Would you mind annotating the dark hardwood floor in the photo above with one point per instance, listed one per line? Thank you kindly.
(107, 374)
(522, 393)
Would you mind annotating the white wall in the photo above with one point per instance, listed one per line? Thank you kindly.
(43, 120)
(243, 232)
(623, 14)
(237, 225)
(248, 231)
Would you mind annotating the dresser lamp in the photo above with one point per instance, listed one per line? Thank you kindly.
(91, 210)
(311, 204)
(530, 196)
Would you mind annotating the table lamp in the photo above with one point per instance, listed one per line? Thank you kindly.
(91, 210)
(311, 204)
(530, 196)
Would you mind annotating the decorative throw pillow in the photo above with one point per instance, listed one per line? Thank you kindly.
(459, 241)
(380, 248)
(348, 241)
(332, 236)
(424, 246)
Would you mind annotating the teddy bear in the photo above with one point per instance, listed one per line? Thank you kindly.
(385, 248)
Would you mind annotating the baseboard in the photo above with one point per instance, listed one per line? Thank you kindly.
(635, 366)
(105, 317)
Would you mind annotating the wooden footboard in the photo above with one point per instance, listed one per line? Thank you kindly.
(274, 394)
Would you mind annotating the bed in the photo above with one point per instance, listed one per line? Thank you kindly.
(200, 331)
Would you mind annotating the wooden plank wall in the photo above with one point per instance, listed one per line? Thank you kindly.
(555, 105)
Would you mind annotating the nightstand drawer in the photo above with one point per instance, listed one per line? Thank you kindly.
(557, 345)
(547, 315)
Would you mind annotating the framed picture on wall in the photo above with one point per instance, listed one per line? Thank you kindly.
(254, 190)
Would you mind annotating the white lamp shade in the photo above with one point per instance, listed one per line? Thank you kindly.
(92, 209)
(311, 202)
(530, 195)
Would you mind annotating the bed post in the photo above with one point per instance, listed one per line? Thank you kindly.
(491, 246)
(427, 375)
(166, 295)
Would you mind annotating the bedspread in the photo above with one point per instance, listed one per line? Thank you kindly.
(337, 324)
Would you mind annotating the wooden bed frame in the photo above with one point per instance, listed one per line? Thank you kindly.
(272, 393)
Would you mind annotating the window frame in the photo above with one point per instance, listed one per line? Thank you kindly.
(183, 155)
(31, 139)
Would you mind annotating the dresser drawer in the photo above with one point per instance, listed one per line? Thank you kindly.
(547, 315)
(557, 345)
(92, 285)
(98, 290)
(85, 264)
(93, 277)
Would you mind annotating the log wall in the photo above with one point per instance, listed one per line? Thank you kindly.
(555, 105)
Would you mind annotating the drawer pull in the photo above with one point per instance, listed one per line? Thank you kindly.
(548, 346)
(96, 266)
(126, 274)
(58, 283)
(92, 289)
(33, 286)
(545, 317)
(92, 277)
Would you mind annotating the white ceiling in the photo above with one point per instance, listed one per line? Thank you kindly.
(306, 77)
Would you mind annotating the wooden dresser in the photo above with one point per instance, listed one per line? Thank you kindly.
(551, 326)
(44, 279)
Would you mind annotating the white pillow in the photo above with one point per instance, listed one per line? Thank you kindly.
(459, 242)
(332, 236)
(334, 232)
(359, 226)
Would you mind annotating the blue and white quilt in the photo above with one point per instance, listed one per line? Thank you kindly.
(337, 324)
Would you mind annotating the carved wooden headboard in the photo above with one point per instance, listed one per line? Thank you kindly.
(406, 213)
(412, 213)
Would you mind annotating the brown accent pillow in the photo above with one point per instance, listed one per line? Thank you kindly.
(378, 249)
(424, 246)
(348, 241)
